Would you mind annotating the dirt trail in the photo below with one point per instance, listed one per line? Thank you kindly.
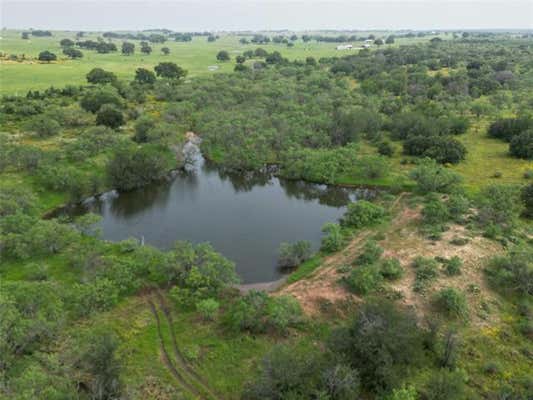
(404, 241)
(322, 285)
(166, 357)
(177, 353)
(184, 374)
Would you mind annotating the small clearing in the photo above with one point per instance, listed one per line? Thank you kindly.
(403, 240)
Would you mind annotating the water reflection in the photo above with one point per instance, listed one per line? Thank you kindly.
(244, 216)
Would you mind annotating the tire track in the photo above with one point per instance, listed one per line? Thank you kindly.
(195, 376)
(166, 357)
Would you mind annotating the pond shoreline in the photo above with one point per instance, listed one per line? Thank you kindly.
(268, 287)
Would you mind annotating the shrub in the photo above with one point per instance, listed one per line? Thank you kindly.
(208, 309)
(382, 342)
(446, 385)
(456, 125)
(527, 199)
(131, 168)
(256, 312)
(110, 116)
(372, 167)
(431, 177)
(452, 303)
(457, 205)
(391, 269)
(370, 254)
(459, 241)
(333, 239)
(361, 214)
(287, 370)
(364, 279)
(506, 129)
(99, 295)
(386, 149)
(283, 312)
(513, 272)
(96, 98)
(44, 126)
(453, 266)
(435, 212)
(521, 145)
(405, 393)
(293, 254)
(499, 205)
(426, 272)
(142, 126)
(443, 149)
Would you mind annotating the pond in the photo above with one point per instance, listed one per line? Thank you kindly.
(244, 216)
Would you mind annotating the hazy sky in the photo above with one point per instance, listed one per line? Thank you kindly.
(198, 15)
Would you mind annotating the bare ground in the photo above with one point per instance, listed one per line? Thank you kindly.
(403, 240)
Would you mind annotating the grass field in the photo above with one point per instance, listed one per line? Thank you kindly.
(17, 77)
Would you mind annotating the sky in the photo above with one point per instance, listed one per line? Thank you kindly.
(228, 15)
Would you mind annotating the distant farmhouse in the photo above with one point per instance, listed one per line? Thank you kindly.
(344, 47)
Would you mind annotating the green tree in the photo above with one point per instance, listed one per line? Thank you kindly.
(131, 168)
(381, 342)
(109, 115)
(223, 55)
(98, 76)
(47, 56)
(72, 53)
(521, 145)
(165, 51)
(144, 76)
(169, 70)
(128, 48)
(66, 42)
(94, 99)
(145, 48)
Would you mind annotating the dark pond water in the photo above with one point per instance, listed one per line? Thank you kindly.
(244, 216)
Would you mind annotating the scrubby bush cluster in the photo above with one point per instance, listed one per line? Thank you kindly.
(293, 254)
(256, 312)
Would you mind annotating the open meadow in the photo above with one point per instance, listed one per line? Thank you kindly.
(17, 77)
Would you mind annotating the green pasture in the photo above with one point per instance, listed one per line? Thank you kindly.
(17, 77)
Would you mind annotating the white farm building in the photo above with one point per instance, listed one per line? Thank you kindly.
(344, 47)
